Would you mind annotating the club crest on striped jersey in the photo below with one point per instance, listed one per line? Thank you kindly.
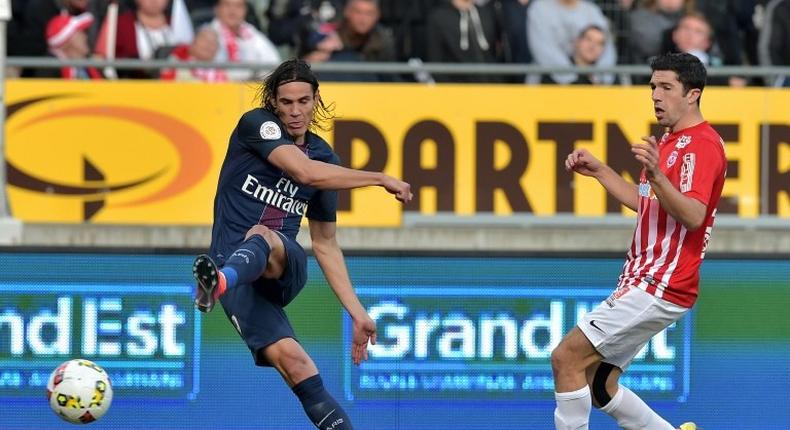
(270, 131)
(683, 142)
(673, 157)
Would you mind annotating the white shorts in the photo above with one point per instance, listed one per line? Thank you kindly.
(621, 325)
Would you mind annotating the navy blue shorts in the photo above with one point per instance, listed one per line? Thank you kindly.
(257, 309)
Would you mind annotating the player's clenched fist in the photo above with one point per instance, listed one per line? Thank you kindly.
(582, 162)
(402, 190)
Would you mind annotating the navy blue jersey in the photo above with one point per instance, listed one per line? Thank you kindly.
(252, 190)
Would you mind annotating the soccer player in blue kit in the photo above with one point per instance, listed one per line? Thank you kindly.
(275, 171)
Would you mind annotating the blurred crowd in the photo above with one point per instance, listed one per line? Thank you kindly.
(597, 33)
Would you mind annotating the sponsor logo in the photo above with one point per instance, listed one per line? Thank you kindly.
(619, 292)
(592, 323)
(144, 336)
(174, 160)
(645, 190)
(235, 322)
(438, 342)
(270, 131)
(283, 196)
(327, 416)
(687, 172)
(244, 254)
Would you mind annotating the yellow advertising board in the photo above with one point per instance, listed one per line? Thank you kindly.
(150, 152)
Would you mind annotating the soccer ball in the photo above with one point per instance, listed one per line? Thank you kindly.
(79, 391)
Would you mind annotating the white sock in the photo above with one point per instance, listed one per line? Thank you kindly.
(573, 409)
(632, 413)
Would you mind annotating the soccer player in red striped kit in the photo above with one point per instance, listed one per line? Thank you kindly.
(675, 200)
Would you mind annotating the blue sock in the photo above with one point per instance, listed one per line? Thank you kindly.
(231, 277)
(320, 406)
(247, 263)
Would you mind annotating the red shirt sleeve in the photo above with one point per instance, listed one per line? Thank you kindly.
(701, 166)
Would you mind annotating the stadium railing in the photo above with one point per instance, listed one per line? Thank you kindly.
(775, 74)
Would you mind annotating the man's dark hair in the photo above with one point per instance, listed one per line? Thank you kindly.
(690, 70)
(294, 70)
(592, 27)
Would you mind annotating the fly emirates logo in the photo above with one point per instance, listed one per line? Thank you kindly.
(283, 195)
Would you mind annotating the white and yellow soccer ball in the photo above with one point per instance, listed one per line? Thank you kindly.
(79, 391)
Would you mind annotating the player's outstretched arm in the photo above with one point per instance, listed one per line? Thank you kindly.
(328, 176)
(584, 163)
(686, 210)
(333, 264)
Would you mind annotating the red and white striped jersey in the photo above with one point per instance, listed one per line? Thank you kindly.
(664, 257)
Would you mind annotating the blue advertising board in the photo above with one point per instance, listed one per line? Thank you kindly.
(492, 342)
(463, 342)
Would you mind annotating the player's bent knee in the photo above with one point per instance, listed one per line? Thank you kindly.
(561, 357)
(268, 235)
(298, 368)
(571, 357)
(272, 238)
(260, 230)
(291, 360)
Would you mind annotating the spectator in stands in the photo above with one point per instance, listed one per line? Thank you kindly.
(461, 32)
(319, 46)
(775, 37)
(67, 38)
(16, 26)
(38, 14)
(27, 32)
(514, 27)
(360, 39)
(142, 33)
(553, 27)
(617, 11)
(203, 49)
(733, 28)
(694, 35)
(408, 21)
(587, 52)
(302, 24)
(361, 35)
(648, 25)
(239, 41)
(202, 12)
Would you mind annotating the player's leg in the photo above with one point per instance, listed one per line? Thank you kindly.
(288, 356)
(619, 328)
(301, 374)
(630, 411)
(261, 254)
(257, 312)
(569, 362)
